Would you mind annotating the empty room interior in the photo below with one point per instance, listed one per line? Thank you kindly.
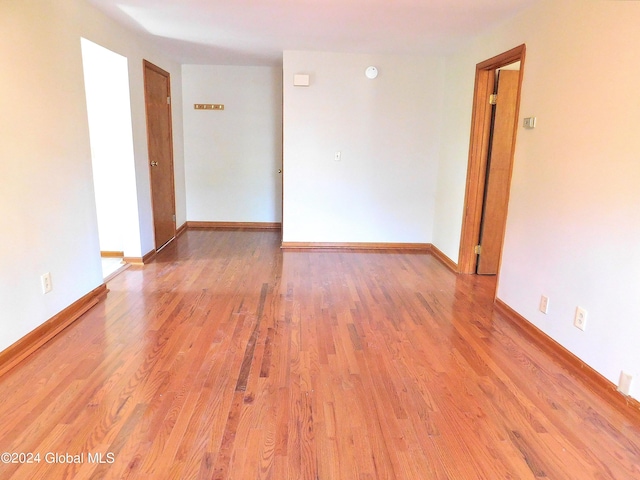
(352, 239)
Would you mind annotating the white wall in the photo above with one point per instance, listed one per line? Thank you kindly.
(46, 195)
(388, 133)
(454, 152)
(106, 78)
(232, 156)
(46, 198)
(574, 214)
(93, 25)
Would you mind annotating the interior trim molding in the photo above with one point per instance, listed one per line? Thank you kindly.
(444, 259)
(414, 247)
(181, 229)
(111, 254)
(233, 225)
(149, 256)
(32, 341)
(594, 380)
(478, 151)
(144, 259)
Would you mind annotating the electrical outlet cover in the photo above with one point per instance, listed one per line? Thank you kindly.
(624, 384)
(580, 320)
(544, 304)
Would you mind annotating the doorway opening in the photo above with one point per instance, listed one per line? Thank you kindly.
(493, 135)
(157, 95)
(106, 79)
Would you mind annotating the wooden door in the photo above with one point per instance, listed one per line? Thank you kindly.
(157, 92)
(498, 176)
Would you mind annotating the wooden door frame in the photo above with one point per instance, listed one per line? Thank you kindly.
(147, 64)
(478, 150)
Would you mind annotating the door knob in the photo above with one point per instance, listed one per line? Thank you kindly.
(279, 170)
(154, 164)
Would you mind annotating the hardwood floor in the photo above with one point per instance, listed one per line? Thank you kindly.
(226, 358)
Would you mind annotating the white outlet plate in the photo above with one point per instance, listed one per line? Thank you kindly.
(624, 384)
(580, 320)
(45, 281)
(337, 156)
(544, 304)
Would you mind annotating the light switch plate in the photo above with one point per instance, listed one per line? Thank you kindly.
(301, 80)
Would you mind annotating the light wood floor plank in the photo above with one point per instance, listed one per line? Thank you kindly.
(227, 358)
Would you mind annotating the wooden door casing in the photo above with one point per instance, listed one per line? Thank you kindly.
(478, 149)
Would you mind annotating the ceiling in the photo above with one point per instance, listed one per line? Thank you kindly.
(256, 32)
